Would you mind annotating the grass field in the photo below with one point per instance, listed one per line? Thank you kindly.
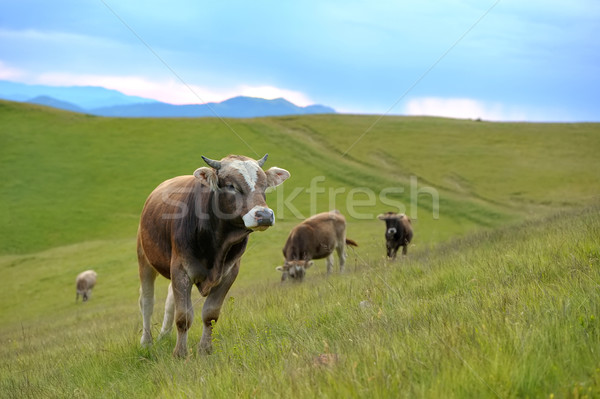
(497, 298)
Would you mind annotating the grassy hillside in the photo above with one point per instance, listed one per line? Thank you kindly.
(509, 313)
(498, 297)
(67, 178)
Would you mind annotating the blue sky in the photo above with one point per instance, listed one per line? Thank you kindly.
(499, 60)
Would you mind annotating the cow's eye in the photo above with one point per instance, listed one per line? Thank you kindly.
(231, 187)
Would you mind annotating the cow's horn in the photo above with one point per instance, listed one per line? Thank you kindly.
(262, 161)
(212, 163)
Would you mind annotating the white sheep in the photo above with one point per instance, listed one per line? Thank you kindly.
(84, 283)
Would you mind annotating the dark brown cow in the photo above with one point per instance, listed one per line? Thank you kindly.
(315, 238)
(194, 230)
(398, 232)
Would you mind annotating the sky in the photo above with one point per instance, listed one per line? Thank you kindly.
(536, 60)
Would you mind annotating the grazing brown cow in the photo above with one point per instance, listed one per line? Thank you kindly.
(315, 238)
(193, 231)
(398, 232)
(84, 283)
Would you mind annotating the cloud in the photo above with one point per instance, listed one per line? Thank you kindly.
(271, 92)
(9, 73)
(462, 108)
(171, 91)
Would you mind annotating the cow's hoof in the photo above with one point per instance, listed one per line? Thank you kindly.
(180, 353)
(163, 334)
(146, 340)
(205, 348)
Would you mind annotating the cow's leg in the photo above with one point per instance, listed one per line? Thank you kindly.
(184, 311)
(341, 251)
(389, 250)
(167, 325)
(147, 278)
(404, 248)
(212, 308)
(330, 263)
(395, 251)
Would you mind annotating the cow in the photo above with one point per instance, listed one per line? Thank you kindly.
(194, 230)
(398, 232)
(84, 283)
(315, 238)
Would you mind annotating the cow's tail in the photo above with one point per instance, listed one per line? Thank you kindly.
(351, 242)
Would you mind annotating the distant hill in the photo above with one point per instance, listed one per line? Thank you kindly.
(237, 107)
(53, 102)
(84, 97)
(104, 102)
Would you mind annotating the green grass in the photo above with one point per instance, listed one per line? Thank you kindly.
(68, 178)
(508, 313)
(498, 297)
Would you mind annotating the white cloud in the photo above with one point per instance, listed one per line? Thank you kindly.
(462, 108)
(270, 92)
(9, 73)
(171, 91)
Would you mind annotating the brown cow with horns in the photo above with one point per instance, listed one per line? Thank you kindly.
(193, 231)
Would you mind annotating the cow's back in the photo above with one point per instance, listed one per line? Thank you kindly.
(316, 237)
(86, 280)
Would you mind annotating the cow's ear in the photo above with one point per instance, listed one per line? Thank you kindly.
(308, 264)
(207, 176)
(381, 216)
(280, 269)
(276, 176)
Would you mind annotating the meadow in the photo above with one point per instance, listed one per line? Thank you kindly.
(497, 298)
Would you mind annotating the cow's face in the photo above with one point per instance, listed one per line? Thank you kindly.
(240, 184)
(390, 216)
(294, 269)
(392, 221)
(390, 233)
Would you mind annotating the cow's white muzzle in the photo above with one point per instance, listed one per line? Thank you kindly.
(259, 218)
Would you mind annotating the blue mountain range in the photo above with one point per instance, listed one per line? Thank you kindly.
(105, 102)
